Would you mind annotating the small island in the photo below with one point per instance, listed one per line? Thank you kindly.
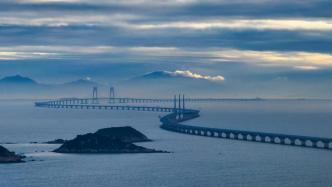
(108, 140)
(125, 134)
(9, 157)
(56, 141)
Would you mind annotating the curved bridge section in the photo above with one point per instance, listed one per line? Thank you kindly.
(172, 122)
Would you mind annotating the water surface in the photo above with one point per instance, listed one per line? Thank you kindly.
(195, 161)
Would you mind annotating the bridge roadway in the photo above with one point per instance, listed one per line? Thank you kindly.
(107, 107)
(136, 100)
(172, 122)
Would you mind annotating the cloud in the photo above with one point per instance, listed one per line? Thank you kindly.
(61, 19)
(190, 74)
(291, 59)
(298, 60)
(307, 68)
(132, 21)
(189, 23)
(14, 55)
(260, 24)
(137, 14)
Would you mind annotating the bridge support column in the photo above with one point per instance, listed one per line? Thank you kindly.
(180, 112)
(95, 95)
(111, 95)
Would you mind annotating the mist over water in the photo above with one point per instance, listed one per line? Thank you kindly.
(195, 161)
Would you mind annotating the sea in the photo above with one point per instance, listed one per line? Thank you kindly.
(193, 161)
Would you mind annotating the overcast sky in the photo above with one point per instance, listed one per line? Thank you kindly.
(283, 45)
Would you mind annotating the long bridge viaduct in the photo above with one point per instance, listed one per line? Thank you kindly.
(179, 113)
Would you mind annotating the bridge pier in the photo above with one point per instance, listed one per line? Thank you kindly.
(222, 135)
(258, 138)
(95, 95)
(240, 136)
(329, 145)
(111, 95)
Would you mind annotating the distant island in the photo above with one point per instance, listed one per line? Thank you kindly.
(9, 157)
(107, 140)
(56, 141)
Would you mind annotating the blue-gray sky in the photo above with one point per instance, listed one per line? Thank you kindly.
(282, 48)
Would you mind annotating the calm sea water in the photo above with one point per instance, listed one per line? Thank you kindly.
(195, 161)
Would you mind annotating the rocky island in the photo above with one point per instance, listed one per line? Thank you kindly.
(125, 134)
(9, 157)
(108, 140)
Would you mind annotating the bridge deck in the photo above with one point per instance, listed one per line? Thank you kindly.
(110, 107)
(137, 100)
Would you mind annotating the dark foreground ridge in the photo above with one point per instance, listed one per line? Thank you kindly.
(108, 140)
(9, 157)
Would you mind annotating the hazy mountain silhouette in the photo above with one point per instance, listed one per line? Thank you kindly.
(18, 86)
(165, 84)
(167, 75)
(157, 75)
(17, 79)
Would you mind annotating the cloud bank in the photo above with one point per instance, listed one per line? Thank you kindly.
(245, 41)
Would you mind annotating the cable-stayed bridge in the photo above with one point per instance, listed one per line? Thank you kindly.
(179, 113)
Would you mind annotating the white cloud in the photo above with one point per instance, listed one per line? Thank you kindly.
(17, 55)
(140, 21)
(298, 60)
(306, 67)
(190, 74)
(260, 24)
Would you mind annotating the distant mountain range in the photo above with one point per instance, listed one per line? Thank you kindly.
(18, 86)
(153, 84)
(20, 80)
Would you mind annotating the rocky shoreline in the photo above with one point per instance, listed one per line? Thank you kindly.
(7, 156)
